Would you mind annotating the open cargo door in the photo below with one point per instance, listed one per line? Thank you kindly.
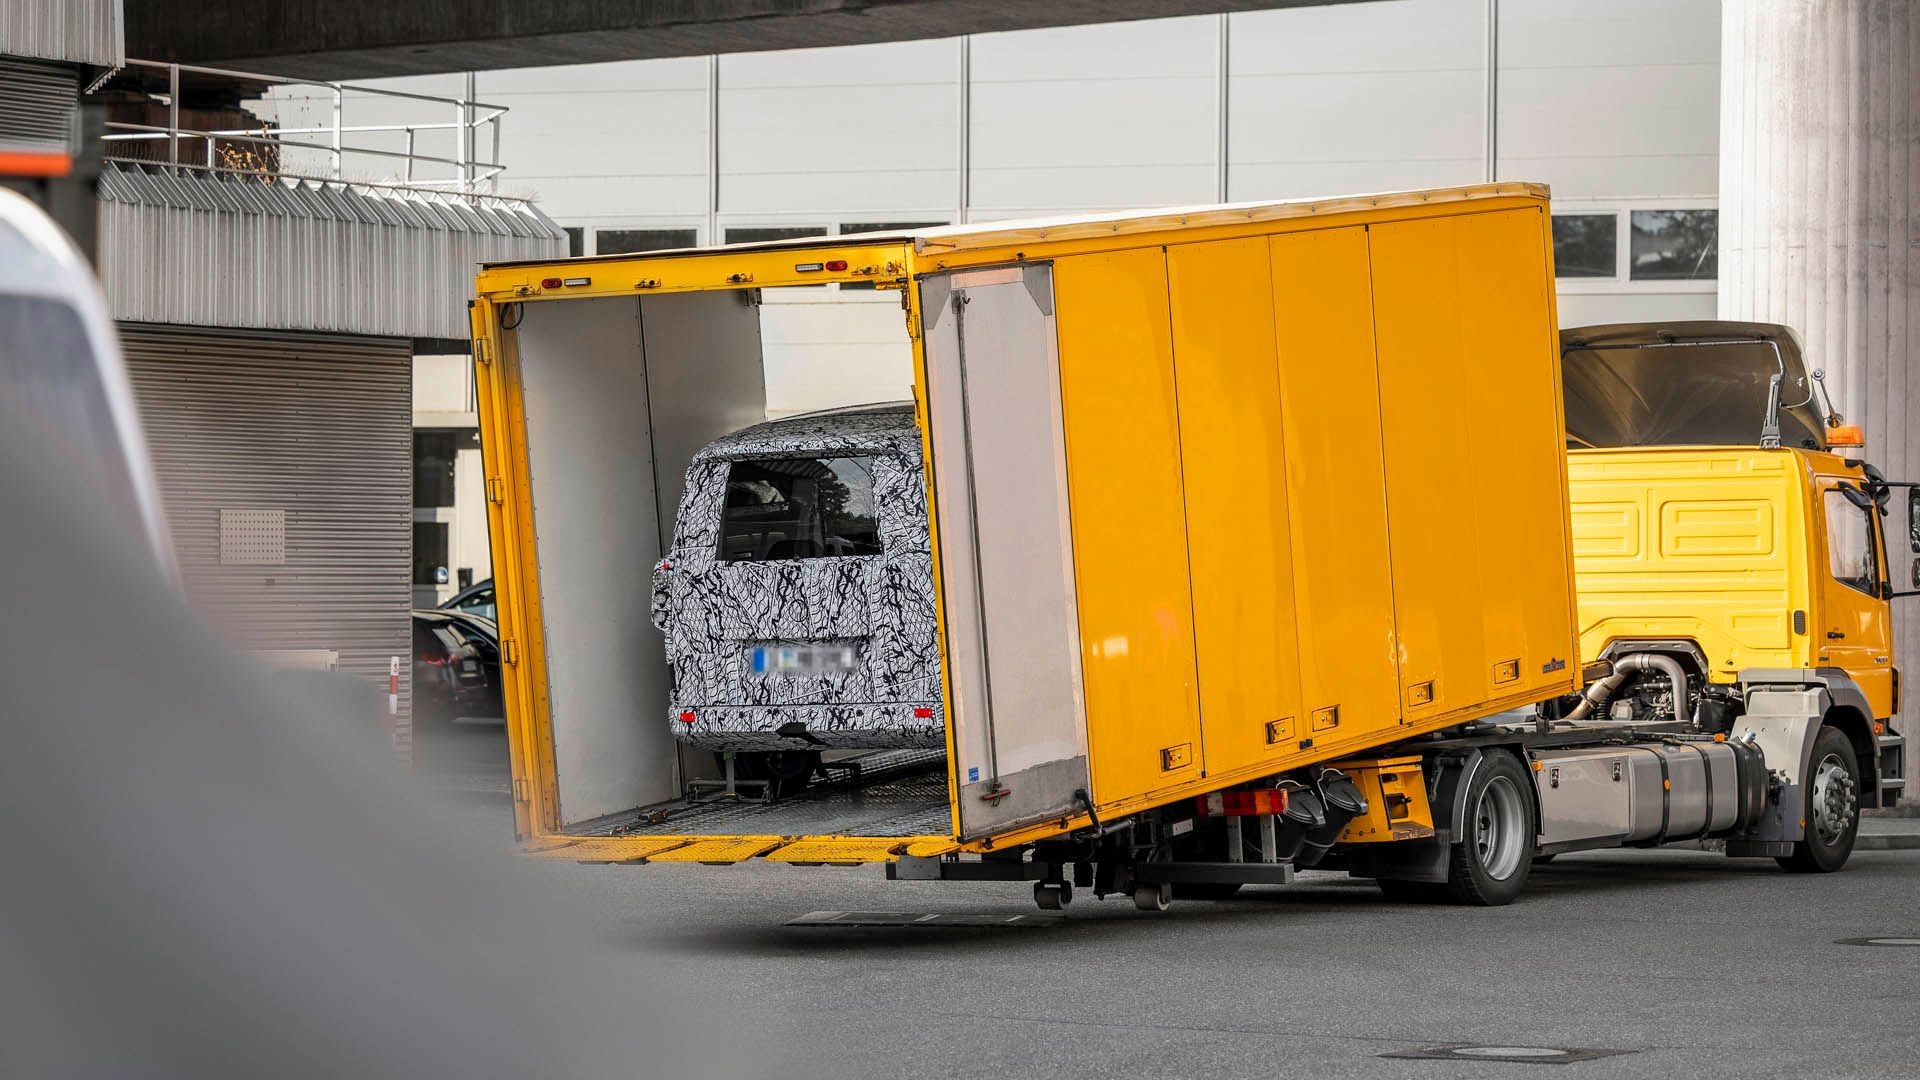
(1004, 547)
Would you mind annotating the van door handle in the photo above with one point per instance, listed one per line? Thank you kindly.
(1835, 635)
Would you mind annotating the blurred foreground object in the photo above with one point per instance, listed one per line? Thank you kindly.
(215, 872)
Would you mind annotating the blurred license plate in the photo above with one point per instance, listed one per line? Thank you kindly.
(770, 658)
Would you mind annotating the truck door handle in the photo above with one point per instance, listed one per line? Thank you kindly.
(1835, 635)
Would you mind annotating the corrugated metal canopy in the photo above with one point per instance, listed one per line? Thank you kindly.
(247, 251)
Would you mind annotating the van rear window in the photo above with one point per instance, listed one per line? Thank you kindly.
(798, 508)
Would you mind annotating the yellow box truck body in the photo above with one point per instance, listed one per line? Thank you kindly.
(1213, 495)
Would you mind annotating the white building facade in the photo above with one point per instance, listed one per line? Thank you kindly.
(1614, 103)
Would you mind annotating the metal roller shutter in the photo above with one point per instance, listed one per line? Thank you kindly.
(39, 107)
(285, 461)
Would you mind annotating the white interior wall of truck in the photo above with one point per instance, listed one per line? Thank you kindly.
(1615, 103)
(619, 395)
(1013, 640)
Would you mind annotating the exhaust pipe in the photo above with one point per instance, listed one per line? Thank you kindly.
(1595, 696)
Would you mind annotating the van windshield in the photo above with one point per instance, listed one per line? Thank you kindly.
(799, 508)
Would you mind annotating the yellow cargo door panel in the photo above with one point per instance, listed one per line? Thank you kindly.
(1480, 576)
(1129, 525)
(1234, 469)
(1336, 485)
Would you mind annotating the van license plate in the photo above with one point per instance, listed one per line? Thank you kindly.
(771, 658)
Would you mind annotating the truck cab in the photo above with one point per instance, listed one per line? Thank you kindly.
(1718, 521)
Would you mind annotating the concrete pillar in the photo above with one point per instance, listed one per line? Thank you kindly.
(1820, 222)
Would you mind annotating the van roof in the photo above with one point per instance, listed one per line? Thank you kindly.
(877, 428)
(945, 238)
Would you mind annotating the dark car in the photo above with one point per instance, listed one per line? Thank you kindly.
(456, 667)
(475, 599)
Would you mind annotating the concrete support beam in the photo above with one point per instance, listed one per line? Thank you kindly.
(359, 39)
(1820, 214)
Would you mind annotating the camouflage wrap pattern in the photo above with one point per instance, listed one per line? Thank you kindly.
(714, 612)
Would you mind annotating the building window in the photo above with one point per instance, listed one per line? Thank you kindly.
(576, 241)
(1586, 245)
(756, 234)
(799, 508)
(1850, 551)
(434, 453)
(429, 553)
(628, 241)
(890, 226)
(1676, 245)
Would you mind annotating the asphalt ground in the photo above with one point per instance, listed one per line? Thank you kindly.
(1678, 962)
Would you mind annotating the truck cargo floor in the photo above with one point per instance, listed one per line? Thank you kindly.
(897, 793)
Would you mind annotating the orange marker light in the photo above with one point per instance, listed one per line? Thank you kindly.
(1846, 435)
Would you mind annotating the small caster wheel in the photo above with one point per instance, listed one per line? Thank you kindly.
(1153, 897)
(1052, 895)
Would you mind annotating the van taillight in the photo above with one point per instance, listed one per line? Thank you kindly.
(687, 717)
(921, 712)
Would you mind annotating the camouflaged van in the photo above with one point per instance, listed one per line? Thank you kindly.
(797, 596)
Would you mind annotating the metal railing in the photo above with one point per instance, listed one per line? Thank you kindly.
(468, 171)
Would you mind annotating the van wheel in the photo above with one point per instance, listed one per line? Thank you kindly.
(1490, 863)
(1831, 809)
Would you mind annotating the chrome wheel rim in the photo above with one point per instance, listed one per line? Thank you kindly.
(1835, 799)
(1499, 818)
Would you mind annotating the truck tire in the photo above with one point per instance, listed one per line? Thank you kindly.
(1489, 865)
(1832, 807)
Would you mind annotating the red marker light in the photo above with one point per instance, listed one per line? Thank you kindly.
(550, 283)
(687, 717)
(836, 264)
(922, 713)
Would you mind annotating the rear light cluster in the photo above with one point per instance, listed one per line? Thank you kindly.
(687, 717)
(1242, 803)
(555, 283)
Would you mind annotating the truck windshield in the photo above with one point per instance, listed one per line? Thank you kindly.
(799, 508)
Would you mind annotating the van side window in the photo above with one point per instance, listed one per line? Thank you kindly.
(1850, 548)
(799, 508)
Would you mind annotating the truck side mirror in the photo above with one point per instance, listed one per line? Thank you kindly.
(1913, 519)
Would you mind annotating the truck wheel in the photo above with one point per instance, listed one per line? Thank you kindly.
(1052, 895)
(1153, 897)
(1490, 863)
(1832, 808)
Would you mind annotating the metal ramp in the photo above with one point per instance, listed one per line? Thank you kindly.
(893, 793)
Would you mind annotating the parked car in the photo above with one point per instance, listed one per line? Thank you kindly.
(475, 599)
(456, 667)
(797, 595)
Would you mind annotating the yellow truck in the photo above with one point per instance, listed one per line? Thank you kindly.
(1251, 548)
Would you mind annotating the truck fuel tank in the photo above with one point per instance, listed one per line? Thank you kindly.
(1646, 792)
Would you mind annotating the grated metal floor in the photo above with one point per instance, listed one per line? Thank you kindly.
(899, 793)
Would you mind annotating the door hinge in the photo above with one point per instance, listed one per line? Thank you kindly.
(520, 791)
(496, 490)
(480, 350)
(509, 651)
